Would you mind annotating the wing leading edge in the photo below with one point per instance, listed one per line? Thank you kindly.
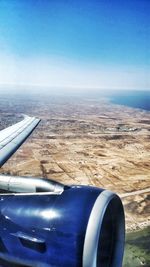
(13, 137)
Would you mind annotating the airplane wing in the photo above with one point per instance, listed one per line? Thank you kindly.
(12, 137)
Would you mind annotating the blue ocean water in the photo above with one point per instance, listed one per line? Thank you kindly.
(131, 98)
(135, 99)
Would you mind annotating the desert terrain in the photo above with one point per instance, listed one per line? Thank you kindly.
(85, 141)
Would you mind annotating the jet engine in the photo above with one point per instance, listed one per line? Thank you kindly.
(44, 223)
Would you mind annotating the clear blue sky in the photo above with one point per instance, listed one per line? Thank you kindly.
(94, 37)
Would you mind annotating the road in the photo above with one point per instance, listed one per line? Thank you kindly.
(138, 192)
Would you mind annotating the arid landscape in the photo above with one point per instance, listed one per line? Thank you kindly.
(86, 141)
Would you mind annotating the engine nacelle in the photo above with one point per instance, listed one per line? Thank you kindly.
(76, 226)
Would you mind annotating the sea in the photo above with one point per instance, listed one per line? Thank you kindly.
(135, 99)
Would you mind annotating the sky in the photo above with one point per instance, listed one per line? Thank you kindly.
(102, 44)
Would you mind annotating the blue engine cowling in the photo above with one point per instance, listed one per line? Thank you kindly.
(80, 226)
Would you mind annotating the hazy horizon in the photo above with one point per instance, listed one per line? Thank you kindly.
(66, 90)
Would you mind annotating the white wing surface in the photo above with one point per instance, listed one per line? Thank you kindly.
(12, 137)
